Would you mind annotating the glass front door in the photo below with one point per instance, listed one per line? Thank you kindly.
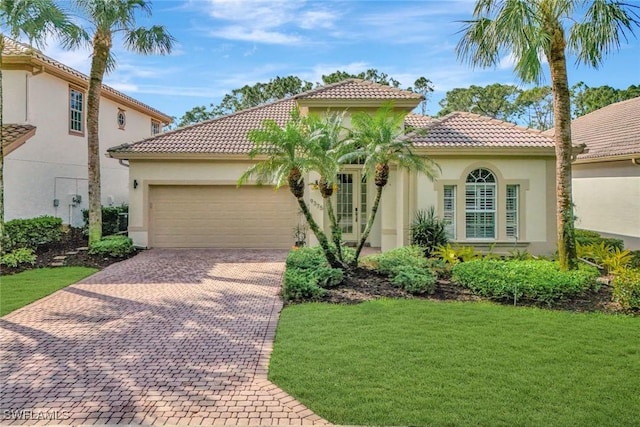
(351, 205)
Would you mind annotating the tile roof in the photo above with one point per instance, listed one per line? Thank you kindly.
(13, 48)
(15, 134)
(467, 130)
(611, 131)
(358, 89)
(417, 120)
(222, 135)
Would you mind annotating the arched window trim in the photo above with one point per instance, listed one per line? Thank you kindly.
(481, 204)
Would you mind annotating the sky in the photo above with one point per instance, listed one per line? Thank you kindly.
(225, 44)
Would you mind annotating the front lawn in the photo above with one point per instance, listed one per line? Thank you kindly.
(24, 288)
(417, 362)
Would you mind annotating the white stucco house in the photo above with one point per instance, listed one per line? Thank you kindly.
(497, 185)
(44, 137)
(606, 176)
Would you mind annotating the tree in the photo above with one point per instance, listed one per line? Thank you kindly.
(372, 75)
(587, 99)
(423, 86)
(536, 106)
(495, 100)
(35, 19)
(381, 141)
(106, 18)
(287, 160)
(529, 30)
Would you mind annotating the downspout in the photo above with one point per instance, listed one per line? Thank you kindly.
(122, 163)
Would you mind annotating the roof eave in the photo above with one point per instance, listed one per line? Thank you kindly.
(602, 159)
(10, 148)
(35, 65)
(486, 151)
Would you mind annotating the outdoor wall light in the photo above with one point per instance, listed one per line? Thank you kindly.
(135, 183)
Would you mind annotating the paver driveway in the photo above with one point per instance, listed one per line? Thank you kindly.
(167, 337)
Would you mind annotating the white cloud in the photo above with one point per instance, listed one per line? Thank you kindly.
(317, 19)
(507, 62)
(256, 35)
(315, 74)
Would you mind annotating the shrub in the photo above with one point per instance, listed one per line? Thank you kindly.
(113, 246)
(414, 279)
(17, 257)
(312, 262)
(428, 231)
(300, 285)
(635, 259)
(626, 288)
(587, 237)
(388, 261)
(541, 281)
(32, 232)
(609, 257)
(112, 220)
(454, 254)
(439, 267)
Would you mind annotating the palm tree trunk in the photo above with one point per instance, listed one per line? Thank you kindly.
(562, 111)
(370, 220)
(336, 233)
(101, 48)
(1, 152)
(322, 238)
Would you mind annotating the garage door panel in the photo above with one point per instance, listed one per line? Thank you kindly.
(221, 216)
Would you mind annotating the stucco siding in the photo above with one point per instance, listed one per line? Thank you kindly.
(53, 163)
(607, 199)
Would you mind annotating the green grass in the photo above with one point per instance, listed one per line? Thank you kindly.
(24, 288)
(409, 362)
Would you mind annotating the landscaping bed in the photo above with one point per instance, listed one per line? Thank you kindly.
(366, 285)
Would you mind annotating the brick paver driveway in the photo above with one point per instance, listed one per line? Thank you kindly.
(167, 337)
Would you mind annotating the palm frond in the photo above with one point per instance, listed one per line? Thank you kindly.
(153, 40)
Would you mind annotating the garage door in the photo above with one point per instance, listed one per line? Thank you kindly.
(221, 216)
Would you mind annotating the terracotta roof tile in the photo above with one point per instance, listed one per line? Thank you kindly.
(14, 135)
(613, 130)
(460, 129)
(358, 89)
(417, 120)
(14, 48)
(222, 135)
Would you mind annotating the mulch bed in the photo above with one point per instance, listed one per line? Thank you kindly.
(72, 239)
(365, 285)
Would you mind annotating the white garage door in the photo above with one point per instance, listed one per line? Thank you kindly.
(221, 216)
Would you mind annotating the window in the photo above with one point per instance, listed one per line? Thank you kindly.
(480, 205)
(513, 193)
(449, 210)
(76, 111)
(155, 127)
(122, 119)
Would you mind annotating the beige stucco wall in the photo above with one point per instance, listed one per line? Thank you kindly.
(607, 199)
(537, 198)
(53, 163)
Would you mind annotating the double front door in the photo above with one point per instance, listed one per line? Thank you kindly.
(351, 204)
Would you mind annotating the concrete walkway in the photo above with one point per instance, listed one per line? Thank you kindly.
(167, 337)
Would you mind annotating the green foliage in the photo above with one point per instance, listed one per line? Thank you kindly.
(428, 231)
(588, 99)
(312, 263)
(113, 246)
(609, 257)
(626, 288)
(17, 257)
(520, 255)
(635, 259)
(587, 237)
(494, 100)
(406, 267)
(455, 254)
(541, 281)
(441, 268)
(414, 279)
(299, 284)
(388, 261)
(32, 232)
(113, 221)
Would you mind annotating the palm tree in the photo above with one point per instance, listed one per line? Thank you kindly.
(327, 153)
(35, 19)
(529, 30)
(381, 141)
(106, 19)
(287, 161)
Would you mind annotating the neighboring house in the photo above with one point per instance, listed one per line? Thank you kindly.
(45, 140)
(497, 184)
(606, 176)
